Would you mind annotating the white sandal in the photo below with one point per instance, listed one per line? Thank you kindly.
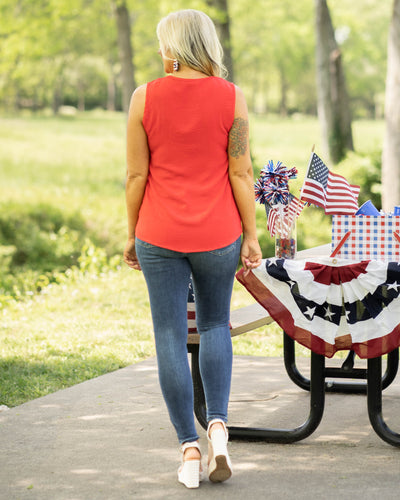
(219, 463)
(190, 473)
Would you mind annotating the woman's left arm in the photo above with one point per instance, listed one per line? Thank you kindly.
(242, 182)
(137, 155)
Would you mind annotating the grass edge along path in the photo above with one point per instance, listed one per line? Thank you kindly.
(87, 327)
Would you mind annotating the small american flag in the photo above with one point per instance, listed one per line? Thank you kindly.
(272, 221)
(191, 309)
(330, 191)
(281, 222)
(294, 208)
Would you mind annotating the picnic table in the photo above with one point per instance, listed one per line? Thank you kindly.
(326, 304)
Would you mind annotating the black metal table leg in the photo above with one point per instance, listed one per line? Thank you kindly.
(316, 385)
(317, 403)
(346, 371)
(199, 398)
(374, 397)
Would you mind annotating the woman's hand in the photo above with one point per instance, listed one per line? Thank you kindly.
(250, 254)
(130, 257)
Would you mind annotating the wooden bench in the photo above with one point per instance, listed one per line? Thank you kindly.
(244, 319)
(248, 318)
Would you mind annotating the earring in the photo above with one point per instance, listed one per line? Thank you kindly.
(175, 65)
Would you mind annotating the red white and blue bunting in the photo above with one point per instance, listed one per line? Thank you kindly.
(332, 304)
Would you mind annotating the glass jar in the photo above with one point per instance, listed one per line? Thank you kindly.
(286, 243)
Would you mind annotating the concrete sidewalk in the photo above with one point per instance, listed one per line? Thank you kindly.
(110, 438)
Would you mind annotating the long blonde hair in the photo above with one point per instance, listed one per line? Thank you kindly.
(189, 36)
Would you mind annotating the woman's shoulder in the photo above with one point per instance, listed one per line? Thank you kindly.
(218, 80)
(142, 89)
(222, 87)
(140, 92)
(139, 97)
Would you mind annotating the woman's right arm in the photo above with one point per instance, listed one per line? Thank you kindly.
(137, 155)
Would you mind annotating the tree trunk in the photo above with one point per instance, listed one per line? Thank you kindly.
(81, 96)
(222, 24)
(125, 51)
(111, 90)
(283, 106)
(57, 95)
(333, 101)
(391, 146)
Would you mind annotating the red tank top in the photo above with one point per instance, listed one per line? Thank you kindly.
(188, 205)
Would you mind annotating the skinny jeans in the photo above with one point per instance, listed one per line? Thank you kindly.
(167, 274)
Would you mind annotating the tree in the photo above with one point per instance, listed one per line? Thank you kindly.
(222, 23)
(46, 48)
(125, 51)
(391, 147)
(273, 49)
(333, 101)
(359, 35)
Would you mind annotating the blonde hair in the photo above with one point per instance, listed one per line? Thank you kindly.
(189, 36)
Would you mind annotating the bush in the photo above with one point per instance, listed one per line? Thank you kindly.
(39, 243)
(364, 169)
(42, 236)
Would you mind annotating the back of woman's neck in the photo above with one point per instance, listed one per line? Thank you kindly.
(189, 73)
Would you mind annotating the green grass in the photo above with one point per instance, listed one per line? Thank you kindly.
(76, 163)
(72, 332)
(93, 323)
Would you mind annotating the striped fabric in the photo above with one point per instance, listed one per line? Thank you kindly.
(191, 310)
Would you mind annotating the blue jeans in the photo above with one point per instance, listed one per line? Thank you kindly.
(167, 274)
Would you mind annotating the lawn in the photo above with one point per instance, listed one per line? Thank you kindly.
(66, 175)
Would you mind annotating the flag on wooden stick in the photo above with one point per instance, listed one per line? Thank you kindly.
(330, 191)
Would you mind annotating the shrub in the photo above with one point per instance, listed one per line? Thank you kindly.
(364, 169)
(39, 243)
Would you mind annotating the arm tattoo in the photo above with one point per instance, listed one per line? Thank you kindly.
(238, 137)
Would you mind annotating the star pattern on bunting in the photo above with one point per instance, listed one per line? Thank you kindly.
(393, 286)
(310, 312)
(329, 313)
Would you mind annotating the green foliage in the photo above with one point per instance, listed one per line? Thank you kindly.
(39, 243)
(362, 36)
(273, 47)
(61, 184)
(65, 52)
(364, 169)
(43, 237)
(94, 261)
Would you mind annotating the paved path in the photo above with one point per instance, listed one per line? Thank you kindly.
(110, 438)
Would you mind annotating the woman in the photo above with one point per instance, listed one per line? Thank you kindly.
(190, 195)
